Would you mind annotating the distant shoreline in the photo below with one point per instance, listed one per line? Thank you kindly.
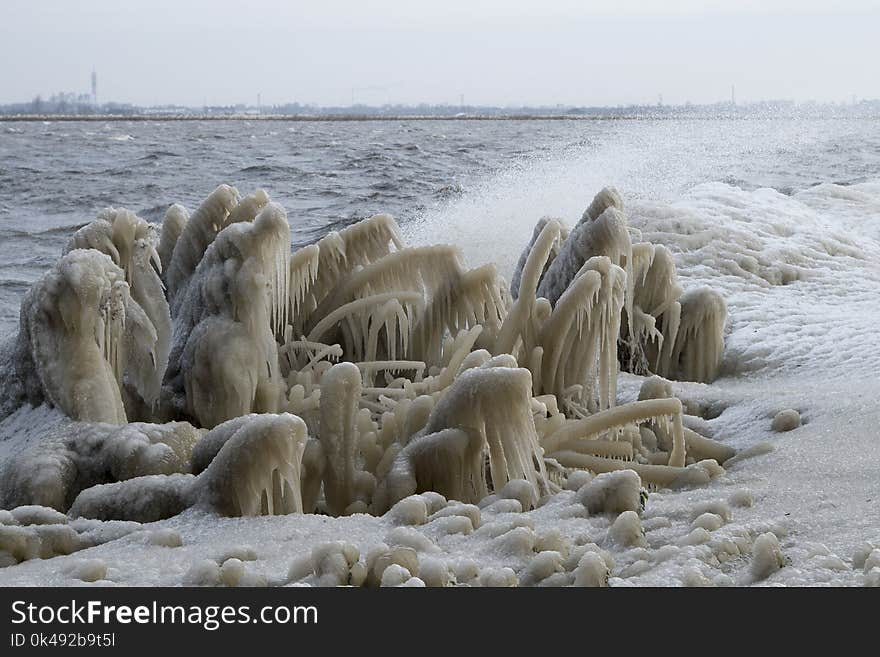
(314, 118)
(330, 118)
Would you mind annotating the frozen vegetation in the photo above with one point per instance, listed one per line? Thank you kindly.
(196, 404)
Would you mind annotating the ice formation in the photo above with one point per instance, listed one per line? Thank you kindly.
(257, 470)
(663, 330)
(696, 354)
(486, 410)
(52, 458)
(198, 232)
(207, 368)
(84, 345)
(253, 468)
(224, 356)
(786, 420)
(340, 397)
(172, 227)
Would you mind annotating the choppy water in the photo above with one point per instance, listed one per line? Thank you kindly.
(481, 184)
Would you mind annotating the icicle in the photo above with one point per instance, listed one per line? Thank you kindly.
(597, 425)
(369, 368)
(699, 341)
(579, 339)
(559, 238)
(449, 462)
(670, 322)
(495, 403)
(257, 470)
(314, 351)
(340, 395)
(608, 197)
(115, 327)
(367, 311)
(303, 274)
(247, 208)
(462, 302)
(518, 324)
(605, 236)
(198, 234)
(125, 231)
(172, 227)
(356, 246)
(422, 270)
(654, 293)
(664, 476)
(459, 348)
(656, 287)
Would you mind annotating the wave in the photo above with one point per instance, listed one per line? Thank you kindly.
(61, 230)
(449, 191)
(158, 154)
(271, 168)
(17, 284)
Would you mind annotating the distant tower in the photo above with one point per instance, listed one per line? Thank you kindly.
(94, 87)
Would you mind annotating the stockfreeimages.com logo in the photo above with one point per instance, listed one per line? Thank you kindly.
(210, 617)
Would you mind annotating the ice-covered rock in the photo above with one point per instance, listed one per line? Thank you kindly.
(767, 557)
(786, 420)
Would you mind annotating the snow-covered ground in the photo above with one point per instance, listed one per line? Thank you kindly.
(801, 276)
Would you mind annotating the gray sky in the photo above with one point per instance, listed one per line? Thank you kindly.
(500, 52)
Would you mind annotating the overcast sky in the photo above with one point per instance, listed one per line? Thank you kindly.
(500, 52)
